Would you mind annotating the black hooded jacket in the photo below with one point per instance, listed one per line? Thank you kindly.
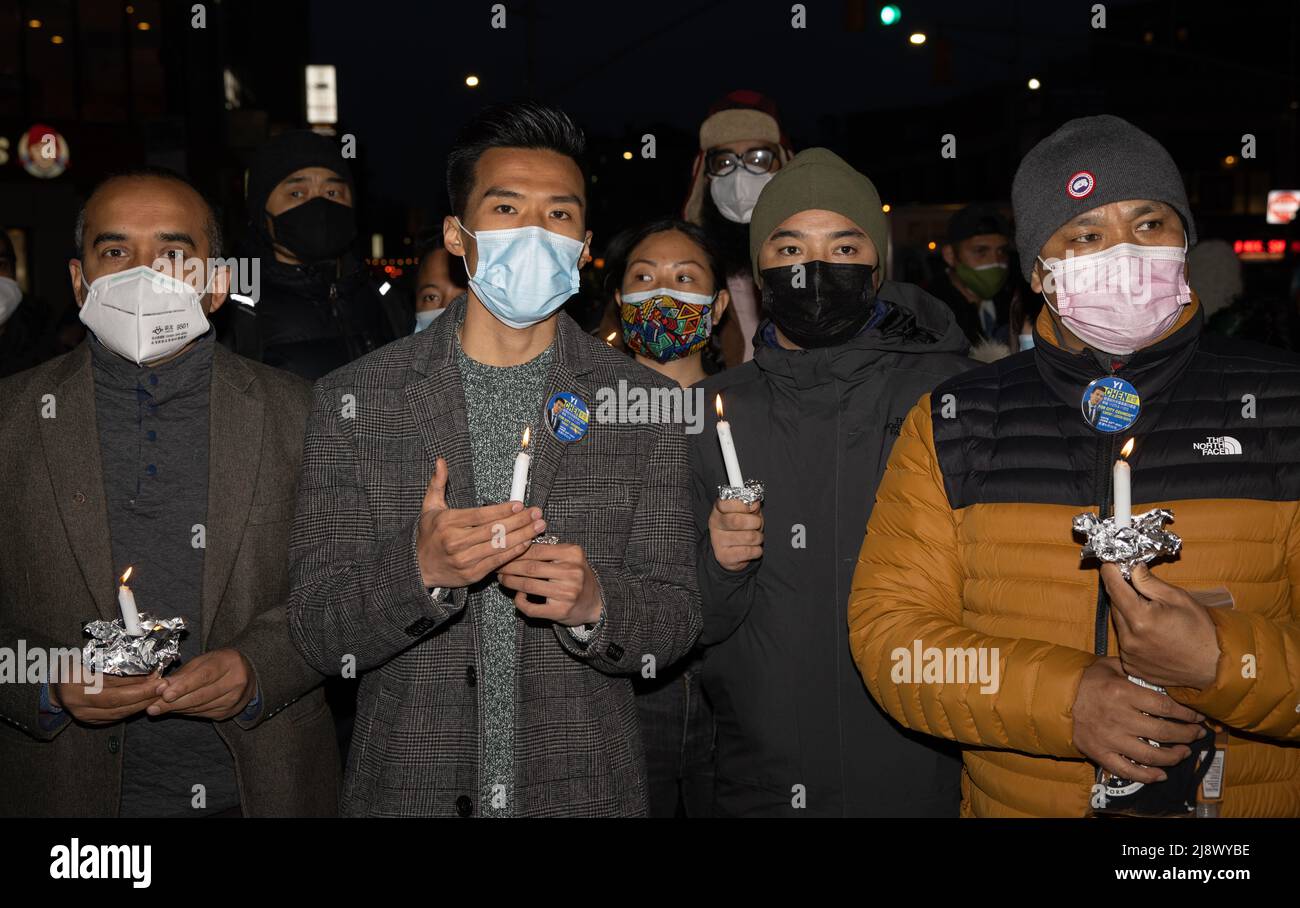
(797, 732)
(312, 319)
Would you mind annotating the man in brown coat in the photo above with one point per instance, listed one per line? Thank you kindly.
(151, 447)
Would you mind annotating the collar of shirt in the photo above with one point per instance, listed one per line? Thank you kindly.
(189, 373)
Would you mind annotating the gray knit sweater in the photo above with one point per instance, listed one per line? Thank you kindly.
(500, 402)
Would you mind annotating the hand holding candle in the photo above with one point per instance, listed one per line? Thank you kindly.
(519, 482)
(126, 603)
(735, 478)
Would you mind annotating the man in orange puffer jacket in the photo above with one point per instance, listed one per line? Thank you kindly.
(973, 616)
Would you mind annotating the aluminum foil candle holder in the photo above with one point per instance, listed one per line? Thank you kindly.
(1144, 541)
(749, 493)
(115, 652)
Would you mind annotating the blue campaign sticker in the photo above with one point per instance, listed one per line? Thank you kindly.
(1110, 404)
(567, 415)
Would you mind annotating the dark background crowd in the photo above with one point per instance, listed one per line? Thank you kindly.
(199, 88)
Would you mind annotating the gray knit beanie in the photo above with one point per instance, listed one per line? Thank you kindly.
(1087, 163)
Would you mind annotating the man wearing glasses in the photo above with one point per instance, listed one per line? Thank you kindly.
(742, 146)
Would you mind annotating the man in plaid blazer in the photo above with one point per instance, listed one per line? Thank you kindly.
(404, 537)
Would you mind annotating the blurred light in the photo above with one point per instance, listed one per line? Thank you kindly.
(1034, 85)
(56, 39)
(1229, 160)
(890, 14)
(130, 10)
(599, 263)
(143, 26)
(627, 156)
(917, 38)
(376, 245)
(885, 208)
(33, 23)
(1148, 37)
(384, 288)
(931, 245)
(322, 94)
(471, 80)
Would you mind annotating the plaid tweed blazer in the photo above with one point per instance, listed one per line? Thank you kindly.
(621, 492)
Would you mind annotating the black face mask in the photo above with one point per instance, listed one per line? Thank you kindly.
(316, 230)
(832, 306)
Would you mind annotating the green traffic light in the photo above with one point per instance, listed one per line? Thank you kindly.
(890, 14)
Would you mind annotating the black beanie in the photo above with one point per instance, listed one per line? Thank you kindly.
(281, 156)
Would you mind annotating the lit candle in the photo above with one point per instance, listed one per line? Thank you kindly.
(519, 483)
(735, 478)
(1123, 487)
(126, 602)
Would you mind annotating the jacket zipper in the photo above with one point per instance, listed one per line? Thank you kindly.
(1107, 456)
(339, 324)
(1102, 483)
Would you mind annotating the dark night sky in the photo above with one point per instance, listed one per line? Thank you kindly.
(620, 68)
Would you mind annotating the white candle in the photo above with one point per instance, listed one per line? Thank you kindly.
(735, 478)
(1121, 478)
(519, 482)
(126, 603)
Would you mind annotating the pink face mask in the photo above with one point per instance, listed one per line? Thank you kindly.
(1123, 298)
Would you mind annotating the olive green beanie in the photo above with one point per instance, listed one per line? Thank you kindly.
(817, 178)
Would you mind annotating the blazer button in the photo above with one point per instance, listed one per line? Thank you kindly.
(78, 497)
(471, 675)
(615, 652)
(113, 745)
(464, 806)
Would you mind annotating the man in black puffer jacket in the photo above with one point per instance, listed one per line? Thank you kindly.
(842, 358)
(314, 308)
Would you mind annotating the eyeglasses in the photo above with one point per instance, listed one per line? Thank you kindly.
(755, 160)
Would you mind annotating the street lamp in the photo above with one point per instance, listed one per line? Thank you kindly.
(917, 38)
(471, 81)
(1034, 85)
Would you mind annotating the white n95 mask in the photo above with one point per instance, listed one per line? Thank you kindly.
(11, 295)
(143, 315)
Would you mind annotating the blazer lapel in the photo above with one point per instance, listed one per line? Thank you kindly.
(70, 439)
(570, 372)
(436, 398)
(235, 417)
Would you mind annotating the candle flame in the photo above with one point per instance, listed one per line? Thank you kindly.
(1125, 451)
(127, 574)
(526, 428)
(717, 403)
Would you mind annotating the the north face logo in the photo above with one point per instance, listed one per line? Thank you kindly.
(1217, 445)
(894, 426)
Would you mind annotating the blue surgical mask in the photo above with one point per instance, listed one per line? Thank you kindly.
(524, 273)
(425, 319)
(1026, 341)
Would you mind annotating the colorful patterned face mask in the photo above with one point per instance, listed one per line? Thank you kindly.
(666, 324)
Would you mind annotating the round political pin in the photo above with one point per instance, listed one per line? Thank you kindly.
(1110, 404)
(567, 415)
(1081, 185)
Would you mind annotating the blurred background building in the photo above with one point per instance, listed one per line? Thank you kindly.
(196, 86)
